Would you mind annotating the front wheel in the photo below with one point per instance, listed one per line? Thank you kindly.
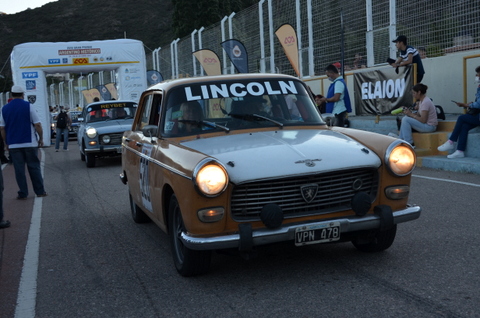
(137, 214)
(188, 262)
(377, 241)
(90, 160)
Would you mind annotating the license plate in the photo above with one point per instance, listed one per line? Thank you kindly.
(317, 233)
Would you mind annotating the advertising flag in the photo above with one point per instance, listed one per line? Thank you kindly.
(288, 38)
(154, 77)
(112, 89)
(90, 94)
(380, 91)
(237, 53)
(209, 61)
(104, 92)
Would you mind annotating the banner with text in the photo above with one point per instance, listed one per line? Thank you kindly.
(380, 91)
(209, 61)
(237, 53)
(288, 38)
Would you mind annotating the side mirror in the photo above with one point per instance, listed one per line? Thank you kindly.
(150, 131)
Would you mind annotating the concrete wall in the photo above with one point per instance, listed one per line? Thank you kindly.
(444, 76)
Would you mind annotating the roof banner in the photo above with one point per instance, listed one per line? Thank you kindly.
(237, 53)
(209, 61)
(288, 38)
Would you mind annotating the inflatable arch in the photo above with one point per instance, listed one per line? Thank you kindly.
(31, 62)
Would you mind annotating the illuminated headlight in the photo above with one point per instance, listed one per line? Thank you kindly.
(210, 178)
(91, 132)
(400, 158)
(106, 139)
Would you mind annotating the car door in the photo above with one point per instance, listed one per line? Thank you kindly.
(140, 146)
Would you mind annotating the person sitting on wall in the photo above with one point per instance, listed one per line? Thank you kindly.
(425, 120)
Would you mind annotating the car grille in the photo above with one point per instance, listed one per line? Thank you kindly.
(335, 191)
(115, 139)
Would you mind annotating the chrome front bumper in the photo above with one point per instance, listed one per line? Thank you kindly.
(287, 232)
(104, 149)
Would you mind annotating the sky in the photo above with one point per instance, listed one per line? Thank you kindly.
(14, 6)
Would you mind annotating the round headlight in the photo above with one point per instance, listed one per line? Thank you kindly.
(211, 178)
(106, 139)
(91, 132)
(400, 158)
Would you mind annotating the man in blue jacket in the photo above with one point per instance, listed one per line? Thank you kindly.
(22, 132)
(338, 99)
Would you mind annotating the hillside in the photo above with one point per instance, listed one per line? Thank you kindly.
(84, 20)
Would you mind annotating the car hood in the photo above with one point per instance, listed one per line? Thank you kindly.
(264, 155)
(112, 125)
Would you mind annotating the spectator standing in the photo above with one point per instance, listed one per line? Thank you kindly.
(338, 99)
(3, 223)
(62, 127)
(408, 56)
(464, 124)
(19, 125)
(423, 52)
(320, 105)
(3, 158)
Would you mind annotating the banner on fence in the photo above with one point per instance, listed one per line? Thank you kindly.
(209, 61)
(379, 91)
(237, 53)
(288, 38)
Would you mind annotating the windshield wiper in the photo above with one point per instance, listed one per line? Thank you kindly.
(204, 123)
(215, 125)
(257, 117)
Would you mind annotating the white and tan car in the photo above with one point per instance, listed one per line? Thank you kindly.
(243, 160)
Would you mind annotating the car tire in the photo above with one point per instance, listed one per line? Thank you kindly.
(137, 214)
(188, 262)
(82, 156)
(377, 242)
(90, 160)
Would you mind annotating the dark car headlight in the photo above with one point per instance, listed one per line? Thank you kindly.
(210, 177)
(106, 139)
(400, 158)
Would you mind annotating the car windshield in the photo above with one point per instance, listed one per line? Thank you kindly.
(110, 111)
(230, 105)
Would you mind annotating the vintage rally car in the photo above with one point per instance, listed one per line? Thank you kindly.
(238, 161)
(100, 129)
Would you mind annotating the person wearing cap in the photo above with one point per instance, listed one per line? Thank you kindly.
(408, 56)
(19, 126)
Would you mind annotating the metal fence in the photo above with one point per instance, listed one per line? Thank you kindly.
(438, 26)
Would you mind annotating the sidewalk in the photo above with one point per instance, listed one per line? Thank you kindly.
(387, 123)
(13, 241)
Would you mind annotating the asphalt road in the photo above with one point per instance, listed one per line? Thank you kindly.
(94, 261)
